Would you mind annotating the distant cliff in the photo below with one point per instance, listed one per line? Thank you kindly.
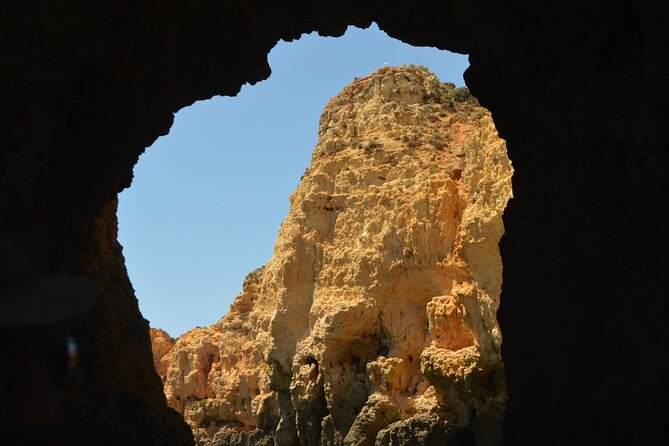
(374, 321)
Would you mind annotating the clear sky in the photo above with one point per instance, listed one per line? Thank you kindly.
(207, 200)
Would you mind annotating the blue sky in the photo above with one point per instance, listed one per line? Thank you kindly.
(207, 200)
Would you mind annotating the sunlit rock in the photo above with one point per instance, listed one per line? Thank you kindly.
(374, 322)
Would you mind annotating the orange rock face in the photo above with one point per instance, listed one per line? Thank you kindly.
(374, 321)
(161, 344)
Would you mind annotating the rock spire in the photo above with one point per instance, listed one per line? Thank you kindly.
(374, 321)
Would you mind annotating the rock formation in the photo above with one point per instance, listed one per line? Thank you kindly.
(374, 322)
(161, 345)
(577, 89)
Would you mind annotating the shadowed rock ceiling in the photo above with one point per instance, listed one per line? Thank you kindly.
(578, 91)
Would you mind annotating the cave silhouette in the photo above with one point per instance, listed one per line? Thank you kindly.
(276, 123)
(578, 91)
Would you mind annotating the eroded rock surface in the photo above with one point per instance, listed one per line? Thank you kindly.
(161, 344)
(374, 321)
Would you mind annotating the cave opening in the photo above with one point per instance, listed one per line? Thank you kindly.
(577, 90)
(207, 202)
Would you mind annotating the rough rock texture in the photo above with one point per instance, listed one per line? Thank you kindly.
(577, 89)
(161, 344)
(377, 311)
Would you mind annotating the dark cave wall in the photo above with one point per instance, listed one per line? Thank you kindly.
(578, 91)
(583, 311)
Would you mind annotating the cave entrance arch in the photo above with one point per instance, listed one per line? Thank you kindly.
(191, 181)
(171, 191)
(88, 88)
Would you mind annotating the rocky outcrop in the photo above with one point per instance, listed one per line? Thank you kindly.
(161, 344)
(577, 89)
(374, 321)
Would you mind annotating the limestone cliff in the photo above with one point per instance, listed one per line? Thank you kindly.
(374, 321)
(161, 344)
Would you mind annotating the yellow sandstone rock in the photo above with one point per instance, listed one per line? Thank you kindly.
(161, 344)
(374, 321)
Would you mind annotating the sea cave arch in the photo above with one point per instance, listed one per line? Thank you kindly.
(228, 166)
(89, 87)
(205, 400)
